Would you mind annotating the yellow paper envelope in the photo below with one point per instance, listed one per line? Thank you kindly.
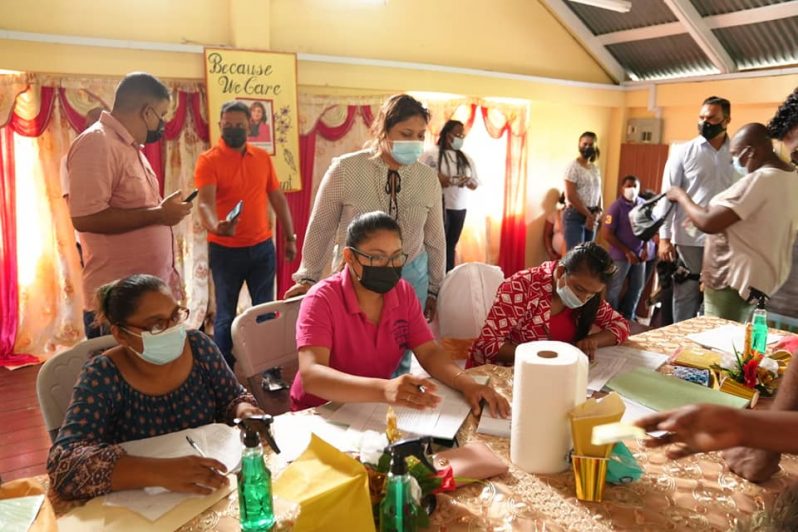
(331, 488)
(591, 413)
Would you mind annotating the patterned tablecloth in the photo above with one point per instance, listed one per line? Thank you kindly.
(697, 493)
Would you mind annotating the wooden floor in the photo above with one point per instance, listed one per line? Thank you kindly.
(23, 439)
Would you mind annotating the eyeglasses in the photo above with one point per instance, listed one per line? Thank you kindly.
(179, 316)
(396, 261)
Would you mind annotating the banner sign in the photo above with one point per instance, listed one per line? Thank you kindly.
(266, 83)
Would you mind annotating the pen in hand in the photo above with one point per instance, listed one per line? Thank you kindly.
(199, 450)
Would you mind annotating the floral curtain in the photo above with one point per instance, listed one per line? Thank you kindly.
(42, 118)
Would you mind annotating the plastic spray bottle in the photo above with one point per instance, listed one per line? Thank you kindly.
(255, 501)
(759, 334)
(399, 509)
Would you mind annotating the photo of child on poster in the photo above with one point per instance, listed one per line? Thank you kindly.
(261, 124)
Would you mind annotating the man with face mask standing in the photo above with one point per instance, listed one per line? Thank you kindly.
(702, 168)
(125, 226)
(240, 247)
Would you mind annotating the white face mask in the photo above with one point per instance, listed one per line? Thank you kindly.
(164, 347)
(741, 170)
(630, 193)
(567, 295)
(457, 143)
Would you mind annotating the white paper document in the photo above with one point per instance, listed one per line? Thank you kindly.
(19, 513)
(613, 360)
(727, 338)
(217, 441)
(494, 426)
(442, 422)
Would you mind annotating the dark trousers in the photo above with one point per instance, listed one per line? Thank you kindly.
(453, 223)
(92, 330)
(574, 229)
(231, 268)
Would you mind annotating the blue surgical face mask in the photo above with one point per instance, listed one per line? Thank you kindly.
(406, 151)
(567, 295)
(162, 348)
(457, 143)
(741, 170)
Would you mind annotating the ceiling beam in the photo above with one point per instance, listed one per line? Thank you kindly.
(702, 35)
(641, 34)
(727, 20)
(590, 42)
(754, 15)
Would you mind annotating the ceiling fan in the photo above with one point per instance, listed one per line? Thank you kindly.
(621, 6)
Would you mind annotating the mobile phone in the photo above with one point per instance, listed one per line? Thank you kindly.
(235, 212)
(191, 196)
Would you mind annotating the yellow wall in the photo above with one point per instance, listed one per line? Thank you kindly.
(517, 36)
(753, 100)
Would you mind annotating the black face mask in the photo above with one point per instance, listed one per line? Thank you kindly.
(380, 279)
(235, 137)
(710, 131)
(588, 153)
(154, 135)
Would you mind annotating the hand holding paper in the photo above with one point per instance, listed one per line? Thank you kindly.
(698, 428)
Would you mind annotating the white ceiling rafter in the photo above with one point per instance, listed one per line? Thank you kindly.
(589, 41)
(702, 35)
(727, 20)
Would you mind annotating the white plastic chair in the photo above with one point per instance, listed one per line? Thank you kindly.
(465, 297)
(261, 346)
(57, 378)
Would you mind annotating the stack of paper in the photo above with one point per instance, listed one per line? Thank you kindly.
(727, 338)
(441, 422)
(218, 441)
(611, 361)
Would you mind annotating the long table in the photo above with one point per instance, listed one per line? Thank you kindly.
(696, 493)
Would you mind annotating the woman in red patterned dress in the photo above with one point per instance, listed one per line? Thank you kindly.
(558, 300)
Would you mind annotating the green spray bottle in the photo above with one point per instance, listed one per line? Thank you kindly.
(255, 502)
(759, 321)
(399, 509)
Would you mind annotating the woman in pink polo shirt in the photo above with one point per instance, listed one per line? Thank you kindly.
(354, 326)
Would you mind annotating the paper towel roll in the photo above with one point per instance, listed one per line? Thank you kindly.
(550, 379)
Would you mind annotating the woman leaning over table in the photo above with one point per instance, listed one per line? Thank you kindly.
(161, 378)
(558, 300)
(385, 177)
(354, 326)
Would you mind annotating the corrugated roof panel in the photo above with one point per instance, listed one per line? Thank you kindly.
(719, 7)
(665, 57)
(643, 13)
(767, 44)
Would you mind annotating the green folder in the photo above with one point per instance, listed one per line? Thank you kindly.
(661, 392)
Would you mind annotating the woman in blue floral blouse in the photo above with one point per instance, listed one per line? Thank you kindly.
(161, 378)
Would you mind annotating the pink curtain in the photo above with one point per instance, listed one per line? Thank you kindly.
(8, 256)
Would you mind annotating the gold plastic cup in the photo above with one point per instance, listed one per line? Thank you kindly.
(590, 474)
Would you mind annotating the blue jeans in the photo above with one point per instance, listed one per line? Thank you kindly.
(92, 330)
(574, 229)
(231, 268)
(415, 272)
(636, 275)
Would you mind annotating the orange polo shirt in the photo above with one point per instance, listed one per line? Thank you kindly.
(247, 176)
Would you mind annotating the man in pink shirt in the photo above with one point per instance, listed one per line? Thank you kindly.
(115, 203)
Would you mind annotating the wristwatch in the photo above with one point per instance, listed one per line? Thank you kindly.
(290, 238)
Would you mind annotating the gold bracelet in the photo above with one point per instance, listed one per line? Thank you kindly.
(454, 380)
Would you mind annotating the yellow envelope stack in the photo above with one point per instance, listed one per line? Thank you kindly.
(330, 487)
